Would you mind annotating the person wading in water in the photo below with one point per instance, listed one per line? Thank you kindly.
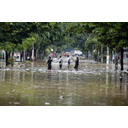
(60, 62)
(68, 61)
(76, 63)
(49, 63)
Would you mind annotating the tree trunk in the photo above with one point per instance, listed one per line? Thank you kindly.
(6, 58)
(97, 54)
(121, 60)
(36, 54)
(92, 53)
(12, 57)
(33, 52)
(101, 53)
(24, 56)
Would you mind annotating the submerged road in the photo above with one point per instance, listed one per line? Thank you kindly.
(92, 85)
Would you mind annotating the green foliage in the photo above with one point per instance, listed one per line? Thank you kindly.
(80, 35)
(16, 31)
(113, 34)
(8, 46)
(10, 60)
(92, 42)
(26, 44)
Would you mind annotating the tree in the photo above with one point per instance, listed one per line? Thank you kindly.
(114, 35)
(111, 34)
(92, 45)
(14, 32)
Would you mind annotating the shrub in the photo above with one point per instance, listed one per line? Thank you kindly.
(10, 60)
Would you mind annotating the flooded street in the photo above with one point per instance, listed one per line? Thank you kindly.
(92, 85)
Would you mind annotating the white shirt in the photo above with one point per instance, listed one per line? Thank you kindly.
(68, 58)
(60, 60)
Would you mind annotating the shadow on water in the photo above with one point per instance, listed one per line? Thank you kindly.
(92, 85)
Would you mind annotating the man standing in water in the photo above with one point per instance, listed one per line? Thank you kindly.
(76, 63)
(49, 63)
(60, 62)
(68, 61)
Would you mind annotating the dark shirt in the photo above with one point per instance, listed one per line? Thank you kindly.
(49, 62)
(77, 62)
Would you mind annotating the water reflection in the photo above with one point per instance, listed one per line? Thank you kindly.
(49, 75)
(107, 68)
(95, 85)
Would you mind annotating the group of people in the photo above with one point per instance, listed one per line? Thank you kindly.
(49, 63)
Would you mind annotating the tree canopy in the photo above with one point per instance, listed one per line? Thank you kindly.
(80, 35)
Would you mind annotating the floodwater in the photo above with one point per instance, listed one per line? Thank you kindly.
(92, 85)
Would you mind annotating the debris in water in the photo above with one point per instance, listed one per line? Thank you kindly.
(7, 92)
(47, 103)
(61, 97)
(16, 102)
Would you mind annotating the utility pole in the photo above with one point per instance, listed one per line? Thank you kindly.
(107, 58)
(33, 52)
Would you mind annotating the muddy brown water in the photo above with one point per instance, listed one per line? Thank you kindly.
(92, 85)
